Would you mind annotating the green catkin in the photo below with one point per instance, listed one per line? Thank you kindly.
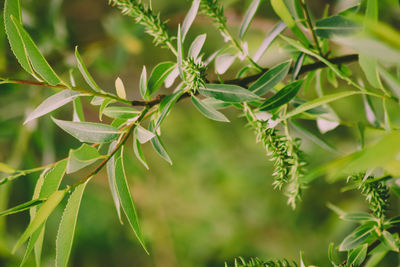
(376, 193)
(195, 74)
(256, 262)
(144, 16)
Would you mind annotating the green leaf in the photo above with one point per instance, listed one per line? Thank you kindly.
(88, 131)
(103, 106)
(78, 114)
(390, 241)
(223, 62)
(120, 88)
(208, 110)
(82, 157)
(143, 135)
(53, 102)
(37, 61)
(137, 149)
(126, 200)
(319, 102)
(189, 18)
(271, 36)
(282, 11)
(143, 83)
(85, 73)
(121, 112)
(248, 17)
(6, 169)
(41, 216)
(180, 54)
(332, 256)
(52, 180)
(283, 96)
(158, 75)
(269, 79)
(111, 180)
(357, 217)
(391, 80)
(158, 145)
(357, 256)
(358, 237)
(228, 93)
(22, 207)
(215, 103)
(336, 26)
(166, 105)
(66, 229)
(370, 111)
(13, 8)
(196, 46)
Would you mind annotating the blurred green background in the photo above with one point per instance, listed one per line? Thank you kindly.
(216, 202)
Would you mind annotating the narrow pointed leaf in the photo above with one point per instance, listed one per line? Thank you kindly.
(191, 15)
(143, 135)
(358, 237)
(85, 73)
(137, 149)
(22, 207)
(271, 36)
(6, 169)
(125, 197)
(66, 229)
(283, 96)
(269, 79)
(81, 157)
(223, 62)
(248, 17)
(41, 216)
(196, 46)
(166, 105)
(208, 111)
(111, 180)
(53, 102)
(121, 112)
(143, 83)
(78, 114)
(158, 76)
(390, 241)
(158, 145)
(38, 62)
(228, 93)
(357, 256)
(357, 217)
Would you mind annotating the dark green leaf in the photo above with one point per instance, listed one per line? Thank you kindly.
(357, 217)
(335, 26)
(358, 237)
(269, 79)
(22, 207)
(357, 256)
(158, 75)
(283, 96)
(228, 93)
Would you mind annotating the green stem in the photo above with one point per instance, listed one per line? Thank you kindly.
(310, 25)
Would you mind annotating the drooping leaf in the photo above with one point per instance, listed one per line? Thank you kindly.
(120, 88)
(38, 62)
(53, 102)
(82, 157)
(208, 110)
(196, 46)
(358, 237)
(248, 17)
(137, 149)
(66, 229)
(85, 73)
(190, 18)
(22, 207)
(13, 8)
(121, 112)
(111, 180)
(223, 62)
(269, 79)
(158, 76)
(271, 36)
(357, 256)
(41, 216)
(228, 93)
(126, 200)
(283, 96)
(88, 131)
(166, 105)
(158, 145)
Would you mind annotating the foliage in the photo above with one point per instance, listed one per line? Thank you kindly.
(270, 102)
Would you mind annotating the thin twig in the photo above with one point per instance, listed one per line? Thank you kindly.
(310, 25)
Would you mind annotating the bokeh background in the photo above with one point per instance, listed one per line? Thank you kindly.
(216, 201)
